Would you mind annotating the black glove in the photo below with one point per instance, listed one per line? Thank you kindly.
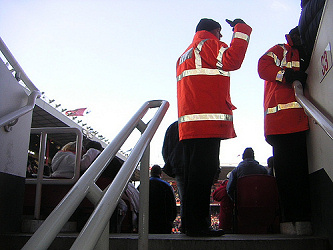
(234, 22)
(300, 76)
(290, 75)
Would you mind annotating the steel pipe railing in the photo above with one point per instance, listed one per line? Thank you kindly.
(312, 111)
(96, 229)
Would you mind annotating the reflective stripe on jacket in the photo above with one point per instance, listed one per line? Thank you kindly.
(283, 114)
(203, 84)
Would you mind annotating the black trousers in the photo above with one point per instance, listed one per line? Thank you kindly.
(201, 163)
(291, 171)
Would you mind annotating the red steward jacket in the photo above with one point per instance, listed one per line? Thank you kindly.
(203, 84)
(283, 115)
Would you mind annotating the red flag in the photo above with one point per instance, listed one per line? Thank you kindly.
(75, 112)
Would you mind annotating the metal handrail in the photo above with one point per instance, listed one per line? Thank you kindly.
(8, 118)
(312, 111)
(35, 93)
(39, 181)
(96, 229)
(57, 130)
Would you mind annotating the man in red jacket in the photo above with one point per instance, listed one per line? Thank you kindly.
(285, 129)
(205, 114)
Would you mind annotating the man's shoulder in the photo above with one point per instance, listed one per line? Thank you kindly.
(65, 154)
(93, 151)
(249, 162)
(159, 180)
(215, 43)
(241, 164)
(278, 47)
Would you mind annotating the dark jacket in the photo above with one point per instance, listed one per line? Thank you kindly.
(162, 206)
(309, 23)
(172, 152)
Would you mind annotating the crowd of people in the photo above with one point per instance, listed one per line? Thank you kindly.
(163, 197)
(191, 145)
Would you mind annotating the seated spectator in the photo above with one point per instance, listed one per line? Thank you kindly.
(270, 165)
(125, 217)
(93, 149)
(131, 195)
(118, 217)
(63, 163)
(248, 166)
(226, 206)
(162, 204)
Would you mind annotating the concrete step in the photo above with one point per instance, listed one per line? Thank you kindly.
(180, 241)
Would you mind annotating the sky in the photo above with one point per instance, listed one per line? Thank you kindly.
(112, 56)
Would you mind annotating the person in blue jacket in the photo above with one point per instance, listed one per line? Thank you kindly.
(162, 203)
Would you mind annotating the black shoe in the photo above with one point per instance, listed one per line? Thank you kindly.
(205, 233)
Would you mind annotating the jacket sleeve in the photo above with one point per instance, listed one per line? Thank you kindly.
(55, 162)
(165, 147)
(171, 139)
(232, 184)
(233, 56)
(268, 65)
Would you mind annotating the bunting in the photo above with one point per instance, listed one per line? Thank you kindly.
(76, 112)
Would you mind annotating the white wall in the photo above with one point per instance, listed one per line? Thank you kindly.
(13, 145)
(320, 90)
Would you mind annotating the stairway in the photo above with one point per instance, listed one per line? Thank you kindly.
(180, 241)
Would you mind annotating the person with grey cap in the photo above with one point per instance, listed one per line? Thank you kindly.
(248, 166)
(205, 114)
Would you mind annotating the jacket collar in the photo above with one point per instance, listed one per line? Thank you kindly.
(203, 34)
(289, 40)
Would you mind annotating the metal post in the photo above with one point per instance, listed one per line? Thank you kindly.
(40, 173)
(144, 201)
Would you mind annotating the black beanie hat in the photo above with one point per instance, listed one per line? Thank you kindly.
(207, 24)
